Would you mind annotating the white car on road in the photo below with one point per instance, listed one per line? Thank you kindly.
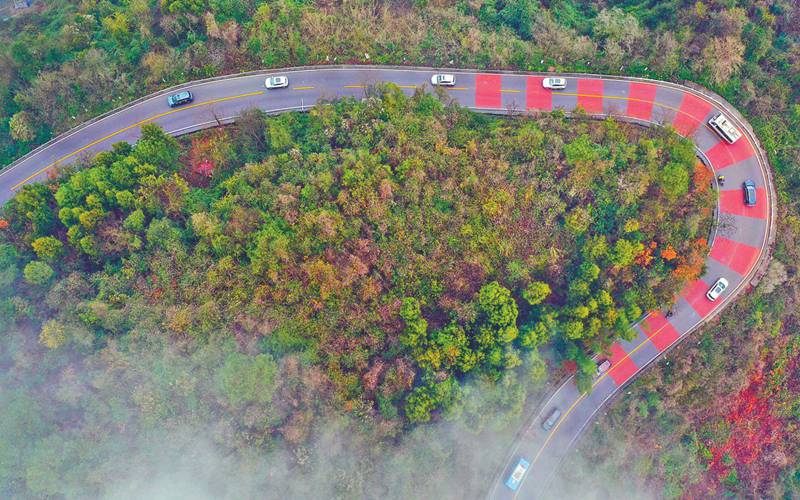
(443, 80)
(554, 83)
(276, 82)
(716, 290)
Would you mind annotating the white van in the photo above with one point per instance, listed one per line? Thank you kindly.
(725, 128)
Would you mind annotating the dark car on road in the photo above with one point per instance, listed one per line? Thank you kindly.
(749, 188)
(184, 97)
(551, 419)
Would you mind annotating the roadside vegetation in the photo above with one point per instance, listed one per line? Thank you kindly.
(365, 259)
(664, 437)
(64, 62)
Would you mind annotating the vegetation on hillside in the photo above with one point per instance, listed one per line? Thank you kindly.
(746, 444)
(64, 62)
(364, 259)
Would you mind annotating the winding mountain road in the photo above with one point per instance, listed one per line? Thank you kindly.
(739, 248)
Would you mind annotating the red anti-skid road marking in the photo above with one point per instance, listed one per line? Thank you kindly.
(695, 295)
(659, 330)
(693, 112)
(731, 201)
(538, 97)
(735, 255)
(622, 367)
(487, 91)
(724, 155)
(590, 94)
(640, 103)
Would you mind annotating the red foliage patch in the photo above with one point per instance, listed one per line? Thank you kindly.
(206, 153)
(753, 428)
(204, 168)
(758, 435)
(570, 366)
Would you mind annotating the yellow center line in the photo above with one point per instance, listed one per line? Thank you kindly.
(407, 86)
(459, 88)
(580, 398)
(125, 129)
(307, 87)
(510, 91)
(354, 86)
(553, 432)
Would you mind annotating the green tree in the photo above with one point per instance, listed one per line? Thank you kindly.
(45, 468)
(38, 273)
(674, 180)
(625, 252)
(520, 15)
(163, 234)
(53, 334)
(419, 404)
(48, 248)
(578, 219)
(500, 310)
(589, 271)
(586, 372)
(23, 423)
(135, 221)
(537, 368)
(21, 127)
(423, 400)
(194, 7)
(32, 203)
(538, 332)
(536, 292)
(416, 326)
(245, 379)
(573, 330)
(9, 268)
(581, 151)
(269, 248)
(157, 148)
(279, 136)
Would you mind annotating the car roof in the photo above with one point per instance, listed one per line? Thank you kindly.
(181, 95)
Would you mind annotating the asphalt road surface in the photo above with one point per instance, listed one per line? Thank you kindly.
(739, 244)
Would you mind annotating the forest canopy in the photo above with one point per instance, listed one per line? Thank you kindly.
(159, 364)
(366, 258)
